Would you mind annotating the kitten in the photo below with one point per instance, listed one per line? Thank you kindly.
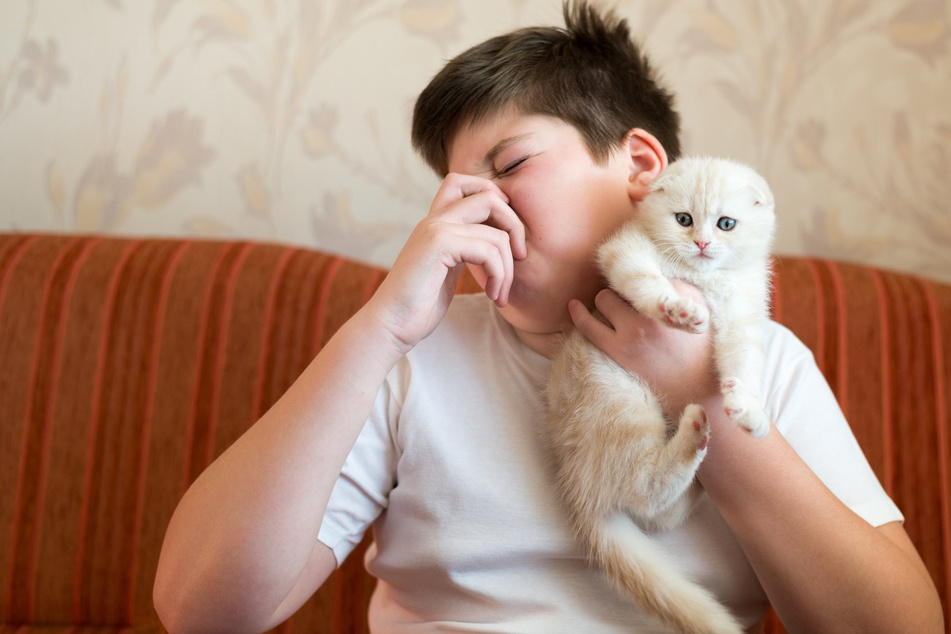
(622, 467)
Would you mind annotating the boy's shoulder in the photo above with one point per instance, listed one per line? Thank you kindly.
(780, 341)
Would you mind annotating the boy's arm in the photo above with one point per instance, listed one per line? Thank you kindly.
(823, 567)
(240, 553)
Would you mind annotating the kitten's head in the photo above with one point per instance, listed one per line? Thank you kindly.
(709, 213)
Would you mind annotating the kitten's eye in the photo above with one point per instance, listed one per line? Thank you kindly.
(684, 219)
(726, 224)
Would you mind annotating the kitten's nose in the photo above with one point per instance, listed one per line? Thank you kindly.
(702, 245)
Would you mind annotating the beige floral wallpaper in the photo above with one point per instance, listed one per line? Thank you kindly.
(288, 120)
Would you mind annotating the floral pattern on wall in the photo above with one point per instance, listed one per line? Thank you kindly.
(288, 120)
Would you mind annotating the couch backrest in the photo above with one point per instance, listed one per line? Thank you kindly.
(128, 365)
(883, 342)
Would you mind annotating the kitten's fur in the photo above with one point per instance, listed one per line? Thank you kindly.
(620, 464)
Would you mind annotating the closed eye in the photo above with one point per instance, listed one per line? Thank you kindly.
(508, 169)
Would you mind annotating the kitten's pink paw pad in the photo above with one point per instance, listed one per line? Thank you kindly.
(697, 419)
(681, 312)
(756, 423)
(742, 407)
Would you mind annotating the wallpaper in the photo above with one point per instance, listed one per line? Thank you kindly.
(288, 120)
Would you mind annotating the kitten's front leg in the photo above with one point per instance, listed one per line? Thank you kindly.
(682, 312)
(630, 268)
(743, 408)
(739, 359)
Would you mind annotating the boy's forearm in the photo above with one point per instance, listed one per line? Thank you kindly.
(824, 568)
(240, 537)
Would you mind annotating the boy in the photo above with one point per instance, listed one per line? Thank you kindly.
(547, 140)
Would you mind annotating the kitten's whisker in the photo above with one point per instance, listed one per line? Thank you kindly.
(670, 251)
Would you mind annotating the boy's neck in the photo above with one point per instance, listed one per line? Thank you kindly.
(545, 344)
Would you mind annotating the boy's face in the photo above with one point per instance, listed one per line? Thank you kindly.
(568, 203)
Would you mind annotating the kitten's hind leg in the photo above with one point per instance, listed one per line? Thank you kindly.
(695, 431)
(660, 489)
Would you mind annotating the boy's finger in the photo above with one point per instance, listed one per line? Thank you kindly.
(497, 284)
(455, 187)
(506, 220)
(618, 310)
(611, 305)
(593, 329)
(485, 208)
(490, 254)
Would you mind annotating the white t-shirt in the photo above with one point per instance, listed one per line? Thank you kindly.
(469, 534)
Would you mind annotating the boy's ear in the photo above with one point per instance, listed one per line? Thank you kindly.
(647, 159)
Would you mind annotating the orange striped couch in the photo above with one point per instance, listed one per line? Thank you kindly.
(127, 365)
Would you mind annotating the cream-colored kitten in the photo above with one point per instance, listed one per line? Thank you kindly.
(622, 466)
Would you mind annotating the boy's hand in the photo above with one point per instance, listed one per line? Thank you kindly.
(678, 365)
(470, 222)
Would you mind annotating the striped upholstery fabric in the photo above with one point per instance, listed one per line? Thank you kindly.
(128, 365)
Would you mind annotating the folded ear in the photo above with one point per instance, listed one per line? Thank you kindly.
(761, 194)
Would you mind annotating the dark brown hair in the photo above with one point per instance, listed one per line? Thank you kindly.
(589, 74)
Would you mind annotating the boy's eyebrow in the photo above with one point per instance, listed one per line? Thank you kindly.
(499, 147)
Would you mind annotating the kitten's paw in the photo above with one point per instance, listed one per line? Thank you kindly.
(742, 406)
(694, 422)
(682, 312)
(756, 422)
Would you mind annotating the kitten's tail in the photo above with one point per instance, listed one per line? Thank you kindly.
(635, 565)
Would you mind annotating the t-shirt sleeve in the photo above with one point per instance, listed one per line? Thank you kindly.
(804, 409)
(362, 489)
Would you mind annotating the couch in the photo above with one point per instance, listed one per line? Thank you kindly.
(129, 364)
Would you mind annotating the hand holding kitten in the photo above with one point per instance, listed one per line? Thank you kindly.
(676, 364)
